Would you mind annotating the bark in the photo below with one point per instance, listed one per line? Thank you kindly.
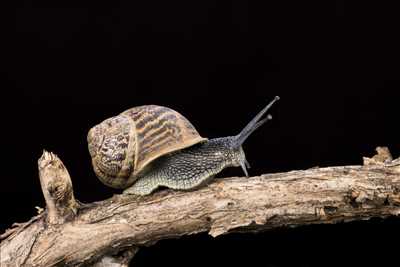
(109, 232)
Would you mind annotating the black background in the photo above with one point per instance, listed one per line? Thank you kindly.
(68, 66)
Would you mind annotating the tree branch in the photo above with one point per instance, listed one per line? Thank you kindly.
(108, 233)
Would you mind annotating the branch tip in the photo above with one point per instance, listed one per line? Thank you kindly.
(381, 157)
(57, 188)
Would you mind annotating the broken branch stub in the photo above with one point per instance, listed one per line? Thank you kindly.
(57, 189)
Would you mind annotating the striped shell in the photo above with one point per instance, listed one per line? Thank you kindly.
(121, 147)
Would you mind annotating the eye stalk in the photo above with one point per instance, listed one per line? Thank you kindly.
(253, 125)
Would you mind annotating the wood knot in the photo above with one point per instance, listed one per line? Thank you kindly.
(353, 198)
(325, 211)
(394, 198)
(330, 210)
(367, 198)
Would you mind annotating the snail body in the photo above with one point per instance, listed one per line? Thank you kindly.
(152, 146)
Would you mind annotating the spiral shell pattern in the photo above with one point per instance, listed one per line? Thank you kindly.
(123, 146)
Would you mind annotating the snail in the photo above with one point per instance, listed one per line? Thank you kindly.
(151, 146)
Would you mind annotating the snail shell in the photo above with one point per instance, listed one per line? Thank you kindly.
(122, 147)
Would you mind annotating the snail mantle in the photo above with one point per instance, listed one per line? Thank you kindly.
(109, 232)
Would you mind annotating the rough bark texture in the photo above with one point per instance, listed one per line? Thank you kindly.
(109, 232)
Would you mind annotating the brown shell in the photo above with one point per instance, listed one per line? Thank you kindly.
(124, 145)
(159, 130)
